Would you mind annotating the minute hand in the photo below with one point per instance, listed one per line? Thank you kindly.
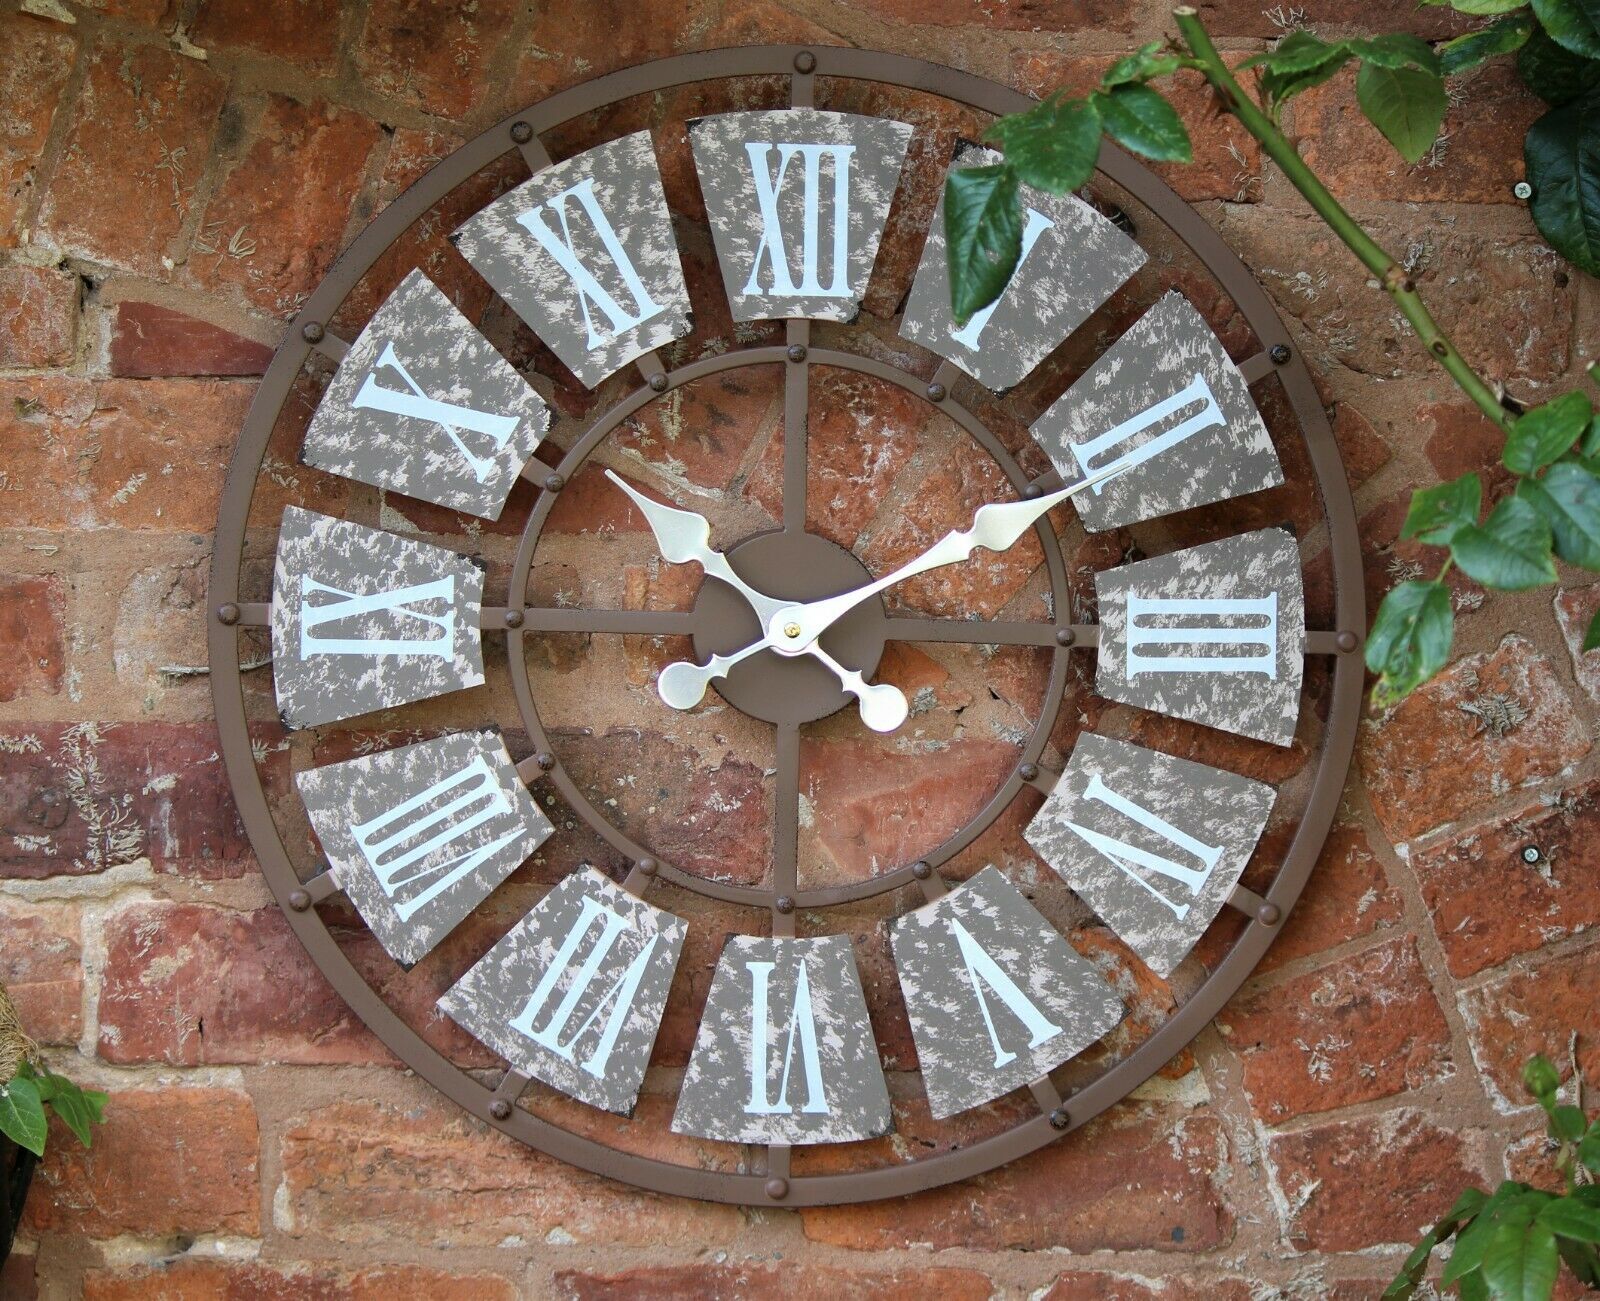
(995, 527)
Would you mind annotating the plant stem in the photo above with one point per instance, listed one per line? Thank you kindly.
(1391, 275)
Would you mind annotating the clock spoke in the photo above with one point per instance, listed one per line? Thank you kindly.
(796, 409)
(643, 623)
(785, 828)
(991, 632)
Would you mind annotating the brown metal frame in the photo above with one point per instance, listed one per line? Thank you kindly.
(773, 1184)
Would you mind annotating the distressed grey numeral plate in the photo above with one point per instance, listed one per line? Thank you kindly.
(1166, 402)
(997, 997)
(797, 199)
(574, 994)
(583, 252)
(1215, 634)
(785, 1052)
(1073, 259)
(1153, 844)
(423, 404)
(419, 836)
(362, 619)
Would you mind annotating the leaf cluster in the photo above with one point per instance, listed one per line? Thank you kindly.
(1554, 511)
(1399, 81)
(24, 1098)
(1052, 147)
(1512, 1243)
(1557, 48)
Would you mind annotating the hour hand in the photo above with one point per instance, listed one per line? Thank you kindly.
(682, 536)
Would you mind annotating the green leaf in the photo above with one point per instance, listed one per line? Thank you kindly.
(1568, 499)
(1299, 51)
(983, 235)
(1562, 156)
(1541, 434)
(1540, 1077)
(1512, 1201)
(1589, 1144)
(81, 1109)
(1589, 444)
(1152, 60)
(1437, 513)
(1501, 37)
(1482, 8)
(1553, 73)
(1467, 1205)
(1574, 24)
(1521, 1263)
(1053, 146)
(1510, 550)
(1581, 1258)
(1566, 1123)
(22, 1118)
(1410, 638)
(1571, 1219)
(1399, 50)
(1406, 104)
(1141, 120)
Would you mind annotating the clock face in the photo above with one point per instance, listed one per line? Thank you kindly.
(1074, 489)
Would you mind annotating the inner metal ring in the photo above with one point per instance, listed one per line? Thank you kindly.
(753, 1187)
(763, 896)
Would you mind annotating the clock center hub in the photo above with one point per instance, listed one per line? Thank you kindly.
(797, 567)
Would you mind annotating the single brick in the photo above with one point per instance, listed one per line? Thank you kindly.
(149, 341)
(137, 142)
(1365, 1027)
(139, 1179)
(38, 317)
(1488, 725)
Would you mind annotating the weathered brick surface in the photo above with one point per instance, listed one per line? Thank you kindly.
(1365, 1027)
(362, 1172)
(1337, 1179)
(1534, 1009)
(31, 613)
(148, 340)
(770, 1282)
(163, 214)
(38, 62)
(41, 967)
(272, 243)
(194, 1280)
(147, 118)
(167, 1161)
(1490, 903)
(38, 317)
(1437, 757)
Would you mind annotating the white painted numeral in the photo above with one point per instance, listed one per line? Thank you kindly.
(1209, 414)
(1218, 631)
(802, 1026)
(439, 644)
(399, 841)
(619, 998)
(773, 247)
(1125, 856)
(588, 287)
(448, 416)
(969, 334)
(981, 967)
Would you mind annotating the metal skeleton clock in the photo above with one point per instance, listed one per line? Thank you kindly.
(788, 628)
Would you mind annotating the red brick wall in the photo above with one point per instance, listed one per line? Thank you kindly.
(176, 174)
